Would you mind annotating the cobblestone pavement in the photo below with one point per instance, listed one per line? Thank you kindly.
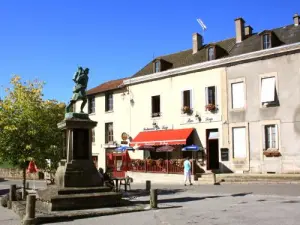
(231, 204)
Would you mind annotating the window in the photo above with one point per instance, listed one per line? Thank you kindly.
(237, 95)
(157, 66)
(91, 104)
(210, 93)
(109, 133)
(211, 53)
(239, 142)
(186, 98)
(109, 103)
(266, 41)
(93, 135)
(156, 106)
(268, 90)
(271, 137)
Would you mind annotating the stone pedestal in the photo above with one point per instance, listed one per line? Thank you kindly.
(77, 181)
(78, 170)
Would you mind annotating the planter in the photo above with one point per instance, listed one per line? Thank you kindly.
(210, 107)
(272, 153)
(187, 110)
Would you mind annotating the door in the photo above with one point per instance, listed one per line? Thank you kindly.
(212, 149)
(114, 163)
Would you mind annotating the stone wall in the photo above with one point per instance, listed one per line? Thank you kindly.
(16, 174)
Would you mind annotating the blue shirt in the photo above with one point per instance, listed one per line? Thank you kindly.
(187, 165)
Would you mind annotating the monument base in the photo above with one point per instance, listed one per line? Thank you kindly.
(58, 199)
(77, 173)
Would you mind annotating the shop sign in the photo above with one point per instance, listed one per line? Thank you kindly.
(154, 128)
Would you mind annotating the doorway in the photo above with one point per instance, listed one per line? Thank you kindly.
(212, 149)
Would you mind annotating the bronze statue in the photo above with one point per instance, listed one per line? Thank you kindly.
(79, 92)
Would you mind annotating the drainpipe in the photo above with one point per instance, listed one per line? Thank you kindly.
(249, 149)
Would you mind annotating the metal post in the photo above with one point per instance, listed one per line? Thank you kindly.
(12, 195)
(148, 185)
(27, 184)
(153, 199)
(214, 178)
(29, 218)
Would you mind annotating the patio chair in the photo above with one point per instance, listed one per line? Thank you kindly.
(127, 182)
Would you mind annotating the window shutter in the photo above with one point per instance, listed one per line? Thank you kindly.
(276, 136)
(191, 98)
(106, 102)
(182, 101)
(239, 142)
(152, 104)
(158, 104)
(206, 96)
(238, 95)
(264, 137)
(268, 89)
(216, 96)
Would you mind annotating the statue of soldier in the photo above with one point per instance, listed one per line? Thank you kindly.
(79, 92)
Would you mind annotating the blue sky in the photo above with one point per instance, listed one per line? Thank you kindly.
(48, 39)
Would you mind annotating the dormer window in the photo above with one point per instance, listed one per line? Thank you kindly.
(160, 65)
(211, 53)
(157, 66)
(267, 41)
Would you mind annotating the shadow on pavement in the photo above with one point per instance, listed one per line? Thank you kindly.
(4, 191)
(189, 199)
(142, 192)
(68, 218)
(241, 194)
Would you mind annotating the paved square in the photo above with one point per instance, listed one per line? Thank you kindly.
(232, 204)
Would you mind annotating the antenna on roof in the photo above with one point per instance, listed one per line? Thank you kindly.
(153, 56)
(202, 25)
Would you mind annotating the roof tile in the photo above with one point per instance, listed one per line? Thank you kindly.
(107, 86)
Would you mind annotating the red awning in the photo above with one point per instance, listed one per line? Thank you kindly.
(162, 137)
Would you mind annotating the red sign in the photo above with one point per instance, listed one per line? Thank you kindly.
(32, 168)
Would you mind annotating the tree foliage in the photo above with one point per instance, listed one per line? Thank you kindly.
(28, 125)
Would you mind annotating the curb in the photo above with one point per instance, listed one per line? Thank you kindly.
(55, 216)
(64, 218)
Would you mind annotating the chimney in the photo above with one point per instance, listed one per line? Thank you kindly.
(239, 29)
(248, 31)
(197, 42)
(296, 19)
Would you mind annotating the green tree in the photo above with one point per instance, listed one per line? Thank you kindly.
(28, 126)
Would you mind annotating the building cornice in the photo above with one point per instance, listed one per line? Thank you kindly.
(252, 56)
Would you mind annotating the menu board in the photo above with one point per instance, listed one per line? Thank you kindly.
(224, 154)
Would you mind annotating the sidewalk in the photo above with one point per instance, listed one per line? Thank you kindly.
(8, 217)
(258, 178)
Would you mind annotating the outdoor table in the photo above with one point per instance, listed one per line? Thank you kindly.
(117, 180)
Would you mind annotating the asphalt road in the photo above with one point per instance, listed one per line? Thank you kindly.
(231, 204)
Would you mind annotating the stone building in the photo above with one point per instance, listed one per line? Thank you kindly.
(235, 99)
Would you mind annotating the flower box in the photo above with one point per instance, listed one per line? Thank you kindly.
(210, 107)
(273, 153)
(187, 110)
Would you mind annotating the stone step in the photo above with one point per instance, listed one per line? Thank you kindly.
(71, 190)
(80, 201)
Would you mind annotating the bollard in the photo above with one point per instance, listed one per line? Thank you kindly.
(214, 179)
(27, 185)
(12, 195)
(148, 185)
(29, 217)
(153, 199)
